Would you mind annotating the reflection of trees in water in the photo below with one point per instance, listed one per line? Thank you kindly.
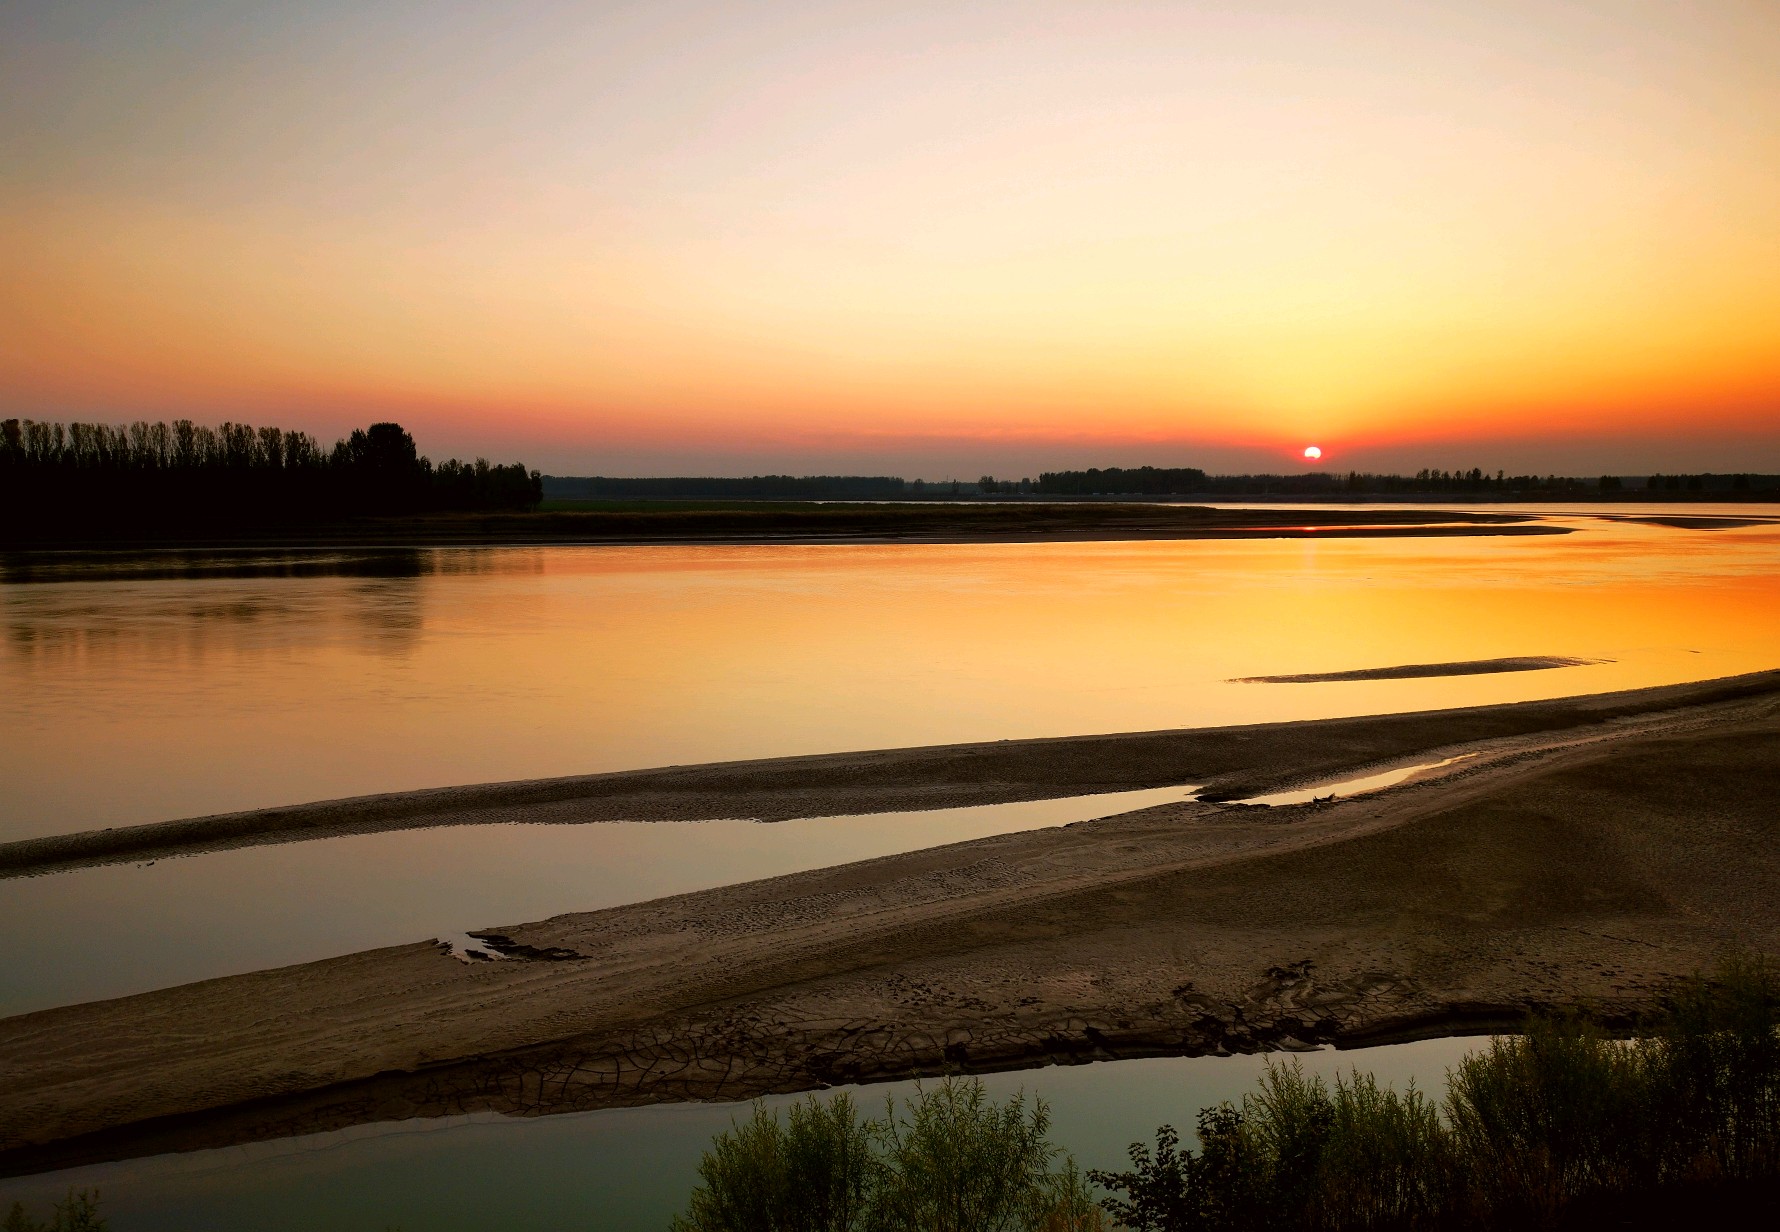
(50, 628)
(194, 565)
(19, 569)
(389, 614)
(65, 609)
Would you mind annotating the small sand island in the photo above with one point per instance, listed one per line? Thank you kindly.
(1420, 671)
(1583, 853)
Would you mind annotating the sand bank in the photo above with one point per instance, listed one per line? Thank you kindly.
(1416, 671)
(1586, 853)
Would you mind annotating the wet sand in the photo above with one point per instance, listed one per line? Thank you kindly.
(1586, 854)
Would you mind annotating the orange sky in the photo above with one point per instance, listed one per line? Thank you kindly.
(918, 239)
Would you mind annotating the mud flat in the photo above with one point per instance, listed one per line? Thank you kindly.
(1584, 853)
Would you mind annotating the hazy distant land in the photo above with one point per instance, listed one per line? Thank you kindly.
(1585, 853)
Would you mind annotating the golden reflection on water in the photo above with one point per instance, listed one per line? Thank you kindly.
(147, 697)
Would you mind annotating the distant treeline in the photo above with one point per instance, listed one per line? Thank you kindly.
(756, 487)
(1156, 481)
(84, 478)
(1186, 481)
(1142, 481)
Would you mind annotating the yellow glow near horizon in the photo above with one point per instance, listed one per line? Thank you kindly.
(1055, 227)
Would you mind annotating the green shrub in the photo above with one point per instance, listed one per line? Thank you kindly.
(79, 1212)
(811, 1175)
(1542, 1130)
(955, 1162)
(1387, 1163)
(1291, 1118)
(1715, 1077)
(1542, 1120)
(1293, 1157)
(947, 1160)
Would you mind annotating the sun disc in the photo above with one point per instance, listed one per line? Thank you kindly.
(1312, 452)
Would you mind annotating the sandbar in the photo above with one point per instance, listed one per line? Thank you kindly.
(1417, 671)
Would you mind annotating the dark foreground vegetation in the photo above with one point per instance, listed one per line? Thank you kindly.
(1559, 1128)
(83, 480)
(948, 1160)
(79, 1213)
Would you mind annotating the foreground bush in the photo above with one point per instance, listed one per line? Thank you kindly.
(949, 1160)
(78, 1213)
(1560, 1127)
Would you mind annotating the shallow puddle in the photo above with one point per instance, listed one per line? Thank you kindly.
(1350, 787)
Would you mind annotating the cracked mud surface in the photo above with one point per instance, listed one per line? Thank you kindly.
(1580, 863)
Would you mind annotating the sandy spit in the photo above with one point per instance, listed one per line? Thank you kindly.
(1587, 853)
(1415, 671)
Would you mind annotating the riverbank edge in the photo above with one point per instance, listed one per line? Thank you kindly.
(791, 523)
(318, 1111)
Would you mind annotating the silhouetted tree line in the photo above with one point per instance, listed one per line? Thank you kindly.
(1189, 481)
(1703, 483)
(753, 487)
(182, 475)
(1140, 481)
(1475, 480)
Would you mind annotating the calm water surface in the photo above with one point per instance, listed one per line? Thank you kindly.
(627, 1170)
(141, 697)
(127, 928)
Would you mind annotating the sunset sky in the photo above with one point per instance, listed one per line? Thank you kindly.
(907, 238)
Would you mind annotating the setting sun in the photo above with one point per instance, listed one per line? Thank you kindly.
(1313, 453)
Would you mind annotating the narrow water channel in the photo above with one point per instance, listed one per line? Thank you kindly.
(626, 1170)
(127, 928)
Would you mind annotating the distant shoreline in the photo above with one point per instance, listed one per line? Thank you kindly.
(1586, 852)
(810, 522)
